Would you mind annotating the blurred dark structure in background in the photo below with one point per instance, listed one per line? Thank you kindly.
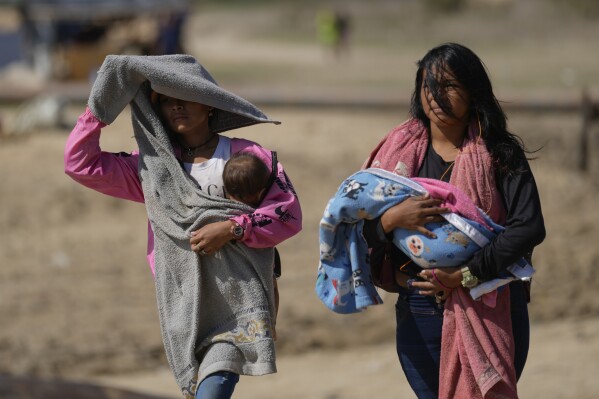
(68, 39)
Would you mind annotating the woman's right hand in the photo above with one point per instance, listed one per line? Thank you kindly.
(413, 214)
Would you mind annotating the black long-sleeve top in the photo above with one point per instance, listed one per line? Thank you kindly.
(524, 224)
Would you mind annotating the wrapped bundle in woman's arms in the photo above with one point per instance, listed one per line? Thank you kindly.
(344, 283)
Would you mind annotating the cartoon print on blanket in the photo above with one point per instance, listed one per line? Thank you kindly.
(451, 248)
(344, 283)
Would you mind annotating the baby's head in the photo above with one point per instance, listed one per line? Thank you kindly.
(245, 178)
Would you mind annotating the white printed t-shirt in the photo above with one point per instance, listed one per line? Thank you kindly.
(209, 174)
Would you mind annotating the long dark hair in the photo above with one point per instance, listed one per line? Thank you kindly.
(506, 148)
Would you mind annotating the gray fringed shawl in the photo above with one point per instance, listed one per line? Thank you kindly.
(215, 312)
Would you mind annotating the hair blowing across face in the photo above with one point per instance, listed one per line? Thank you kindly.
(452, 59)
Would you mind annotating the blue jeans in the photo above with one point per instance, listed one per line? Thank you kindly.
(418, 337)
(219, 385)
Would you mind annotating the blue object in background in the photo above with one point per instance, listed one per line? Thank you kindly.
(11, 47)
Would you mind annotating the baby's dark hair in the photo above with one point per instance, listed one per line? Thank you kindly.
(245, 176)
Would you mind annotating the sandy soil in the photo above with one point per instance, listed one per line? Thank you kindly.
(77, 298)
(561, 364)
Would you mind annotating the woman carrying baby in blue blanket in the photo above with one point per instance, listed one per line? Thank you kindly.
(458, 134)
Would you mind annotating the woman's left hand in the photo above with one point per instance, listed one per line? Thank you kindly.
(447, 279)
(211, 237)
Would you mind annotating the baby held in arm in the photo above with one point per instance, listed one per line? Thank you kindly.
(344, 280)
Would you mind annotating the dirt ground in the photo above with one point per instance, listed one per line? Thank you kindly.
(77, 297)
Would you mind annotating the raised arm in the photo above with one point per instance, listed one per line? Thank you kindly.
(113, 174)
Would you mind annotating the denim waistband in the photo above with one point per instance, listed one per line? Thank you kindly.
(420, 304)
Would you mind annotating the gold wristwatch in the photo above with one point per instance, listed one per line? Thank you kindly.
(469, 280)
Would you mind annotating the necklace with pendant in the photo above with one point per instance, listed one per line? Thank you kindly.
(192, 150)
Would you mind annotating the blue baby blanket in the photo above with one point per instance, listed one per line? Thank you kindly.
(344, 283)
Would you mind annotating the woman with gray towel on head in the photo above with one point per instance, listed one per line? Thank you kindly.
(212, 257)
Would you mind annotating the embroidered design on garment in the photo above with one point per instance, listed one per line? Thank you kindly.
(189, 391)
(400, 169)
(353, 188)
(286, 187)
(260, 220)
(289, 184)
(455, 236)
(284, 215)
(252, 331)
(384, 190)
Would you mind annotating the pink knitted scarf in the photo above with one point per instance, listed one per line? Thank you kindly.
(477, 346)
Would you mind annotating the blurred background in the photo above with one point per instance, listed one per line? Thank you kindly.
(76, 295)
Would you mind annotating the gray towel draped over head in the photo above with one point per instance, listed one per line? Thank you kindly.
(216, 312)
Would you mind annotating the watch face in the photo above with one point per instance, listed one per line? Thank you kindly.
(238, 231)
(468, 279)
(469, 283)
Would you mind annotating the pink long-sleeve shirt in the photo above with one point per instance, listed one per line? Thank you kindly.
(278, 218)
